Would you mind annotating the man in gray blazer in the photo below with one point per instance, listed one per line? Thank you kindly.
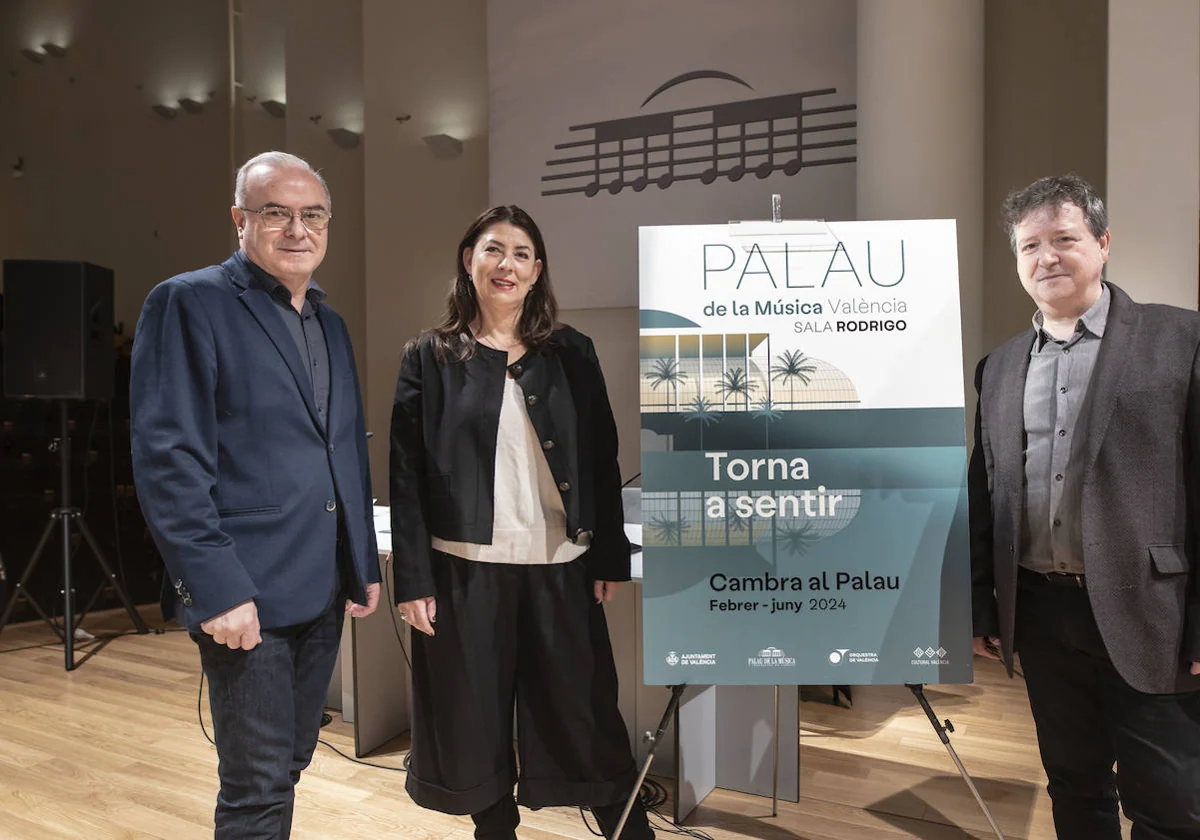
(1084, 490)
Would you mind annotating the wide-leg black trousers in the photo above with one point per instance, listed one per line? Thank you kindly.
(529, 635)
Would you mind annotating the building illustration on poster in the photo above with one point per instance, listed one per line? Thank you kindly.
(804, 455)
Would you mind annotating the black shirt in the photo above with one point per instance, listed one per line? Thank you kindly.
(305, 327)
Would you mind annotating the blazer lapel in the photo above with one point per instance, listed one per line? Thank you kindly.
(1009, 431)
(265, 312)
(338, 350)
(1107, 375)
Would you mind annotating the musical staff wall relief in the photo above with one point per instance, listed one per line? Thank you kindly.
(758, 137)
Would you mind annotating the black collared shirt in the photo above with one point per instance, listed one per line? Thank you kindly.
(305, 328)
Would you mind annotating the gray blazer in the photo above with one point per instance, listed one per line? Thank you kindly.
(1140, 494)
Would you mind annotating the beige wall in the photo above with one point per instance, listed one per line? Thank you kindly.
(428, 61)
(106, 180)
(324, 49)
(261, 49)
(920, 132)
(1154, 148)
(1045, 77)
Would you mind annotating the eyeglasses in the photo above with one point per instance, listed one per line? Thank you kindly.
(280, 218)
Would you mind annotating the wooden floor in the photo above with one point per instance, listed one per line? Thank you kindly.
(113, 750)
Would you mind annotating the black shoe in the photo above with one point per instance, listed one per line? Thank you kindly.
(498, 821)
(637, 827)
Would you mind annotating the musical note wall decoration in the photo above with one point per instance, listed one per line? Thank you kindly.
(758, 136)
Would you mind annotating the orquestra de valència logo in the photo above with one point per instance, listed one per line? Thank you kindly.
(772, 657)
(930, 656)
(674, 658)
(845, 656)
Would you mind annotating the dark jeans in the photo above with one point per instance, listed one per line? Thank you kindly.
(1088, 719)
(266, 707)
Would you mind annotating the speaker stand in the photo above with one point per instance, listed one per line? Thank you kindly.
(64, 517)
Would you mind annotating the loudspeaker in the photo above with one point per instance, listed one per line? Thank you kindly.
(58, 330)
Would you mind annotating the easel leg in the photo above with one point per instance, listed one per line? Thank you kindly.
(942, 729)
(653, 739)
(775, 770)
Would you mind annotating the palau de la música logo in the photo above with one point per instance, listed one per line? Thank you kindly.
(759, 136)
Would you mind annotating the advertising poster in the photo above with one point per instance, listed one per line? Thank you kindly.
(803, 452)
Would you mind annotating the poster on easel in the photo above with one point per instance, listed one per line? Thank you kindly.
(804, 458)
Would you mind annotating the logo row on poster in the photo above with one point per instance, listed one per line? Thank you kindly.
(773, 657)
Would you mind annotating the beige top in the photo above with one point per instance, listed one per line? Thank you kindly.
(529, 524)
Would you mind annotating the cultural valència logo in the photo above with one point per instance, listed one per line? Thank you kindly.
(929, 656)
(772, 657)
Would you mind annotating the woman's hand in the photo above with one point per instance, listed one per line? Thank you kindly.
(605, 590)
(420, 613)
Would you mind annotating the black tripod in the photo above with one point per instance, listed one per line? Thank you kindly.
(64, 516)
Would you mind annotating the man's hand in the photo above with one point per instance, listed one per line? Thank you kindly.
(236, 628)
(986, 646)
(361, 611)
(605, 590)
(420, 613)
(1196, 669)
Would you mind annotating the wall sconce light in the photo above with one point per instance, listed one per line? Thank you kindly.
(274, 107)
(33, 55)
(344, 138)
(192, 106)
(167, 112)
(443, 146)
(56, 50)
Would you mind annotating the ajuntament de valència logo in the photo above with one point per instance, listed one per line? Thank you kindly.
(772, 657)
(674, 658)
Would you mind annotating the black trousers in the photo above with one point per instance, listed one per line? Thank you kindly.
(1088, 719)
(529, 635)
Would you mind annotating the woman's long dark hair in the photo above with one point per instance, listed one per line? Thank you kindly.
(453, 339)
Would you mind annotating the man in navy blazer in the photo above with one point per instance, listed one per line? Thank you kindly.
(250, 460)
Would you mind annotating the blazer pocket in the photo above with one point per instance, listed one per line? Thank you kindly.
(1169, 559)
(249, 511)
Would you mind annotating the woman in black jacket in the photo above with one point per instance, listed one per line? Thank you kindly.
(508, 536)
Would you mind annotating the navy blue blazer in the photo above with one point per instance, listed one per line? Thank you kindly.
(241, 485)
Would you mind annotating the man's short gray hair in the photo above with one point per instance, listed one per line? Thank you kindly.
(276, 160)
(1052, 192)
